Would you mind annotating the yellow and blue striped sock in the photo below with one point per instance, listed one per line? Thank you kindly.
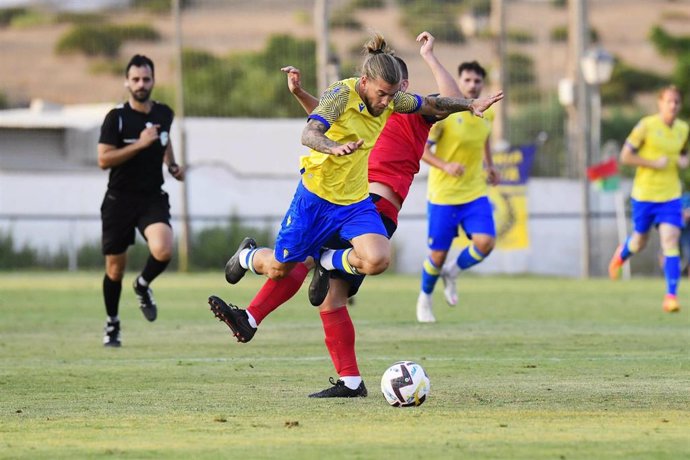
(470, 256)
(430, 274)
(341, 263)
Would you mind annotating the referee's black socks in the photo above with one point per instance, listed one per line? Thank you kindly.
(152, 269)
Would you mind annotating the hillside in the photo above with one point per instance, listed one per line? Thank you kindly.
(32, 70)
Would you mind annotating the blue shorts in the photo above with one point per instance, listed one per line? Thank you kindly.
(444, 219)
(311, 221)
(648, 213)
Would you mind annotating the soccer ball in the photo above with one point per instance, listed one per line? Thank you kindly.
(405, 384)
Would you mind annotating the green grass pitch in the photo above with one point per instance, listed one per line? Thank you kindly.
(522, 368)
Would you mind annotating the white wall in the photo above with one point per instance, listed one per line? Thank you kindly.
(250, 168)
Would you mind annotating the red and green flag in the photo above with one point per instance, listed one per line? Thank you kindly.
(604, 175)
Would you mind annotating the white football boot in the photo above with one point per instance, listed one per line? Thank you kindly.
(425, 312)
(449, 276)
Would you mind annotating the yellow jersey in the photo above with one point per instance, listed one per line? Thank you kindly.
(343, 179)
(651, 139)
(460, 138)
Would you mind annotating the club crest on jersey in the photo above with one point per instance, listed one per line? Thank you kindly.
(361, 107)
(285, 253)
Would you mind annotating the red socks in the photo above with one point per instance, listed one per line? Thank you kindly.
(275, 293)
(340, 341)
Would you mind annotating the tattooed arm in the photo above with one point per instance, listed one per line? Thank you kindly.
(444, 106)
(314, 137)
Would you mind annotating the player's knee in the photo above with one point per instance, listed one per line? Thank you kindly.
(485, 246)
(115, 272)
(377, 264)
(161, 252)
(277, 272)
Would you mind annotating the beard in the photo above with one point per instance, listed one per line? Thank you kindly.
(374, 112)
(141, 95)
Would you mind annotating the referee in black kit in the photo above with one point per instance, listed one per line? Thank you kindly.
(134, 143)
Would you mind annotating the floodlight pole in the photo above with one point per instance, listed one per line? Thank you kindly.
(321, 26)
(498, 28)
(183, 241)
(578, 33)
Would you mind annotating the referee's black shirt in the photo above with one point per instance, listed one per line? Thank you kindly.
(142, 173)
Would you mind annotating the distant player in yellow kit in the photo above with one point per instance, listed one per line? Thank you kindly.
(457, 193)
(657, 146)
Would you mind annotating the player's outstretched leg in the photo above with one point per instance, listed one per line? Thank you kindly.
(235, 318)
(339, 390)
(233, 269)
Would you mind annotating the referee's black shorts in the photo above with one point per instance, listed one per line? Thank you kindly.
(122, 212)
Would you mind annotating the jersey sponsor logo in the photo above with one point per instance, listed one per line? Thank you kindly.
(361, 106)
(289, 221)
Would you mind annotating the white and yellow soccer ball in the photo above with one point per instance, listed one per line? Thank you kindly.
(405, 384)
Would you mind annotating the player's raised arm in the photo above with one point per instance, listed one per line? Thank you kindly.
(306, 100)
(444, 80)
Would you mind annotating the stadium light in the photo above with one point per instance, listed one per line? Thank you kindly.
(597, 66)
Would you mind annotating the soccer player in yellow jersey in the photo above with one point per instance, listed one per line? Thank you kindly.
(333, 196)
(657, 147)
(457, 193)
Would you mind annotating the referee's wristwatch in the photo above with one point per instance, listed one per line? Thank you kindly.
(173, 167)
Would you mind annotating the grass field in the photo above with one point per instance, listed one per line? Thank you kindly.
(525, 367)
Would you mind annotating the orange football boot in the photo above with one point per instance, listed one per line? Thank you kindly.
(616, 264)
(671, 304)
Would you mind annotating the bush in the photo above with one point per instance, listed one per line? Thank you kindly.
(222, 86)
(520, 36)
(618, 125)
(159, 6)
(11, 258)
(79, 18)
(344, 19)
(209, 249)
(31, 18)
(89, 40)
(99, 40)
(7, 14)
(520, 69)
(439, 18)
(627, 81)
(212, 246)
(559, 34)
(367, 4)
(140, 32)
